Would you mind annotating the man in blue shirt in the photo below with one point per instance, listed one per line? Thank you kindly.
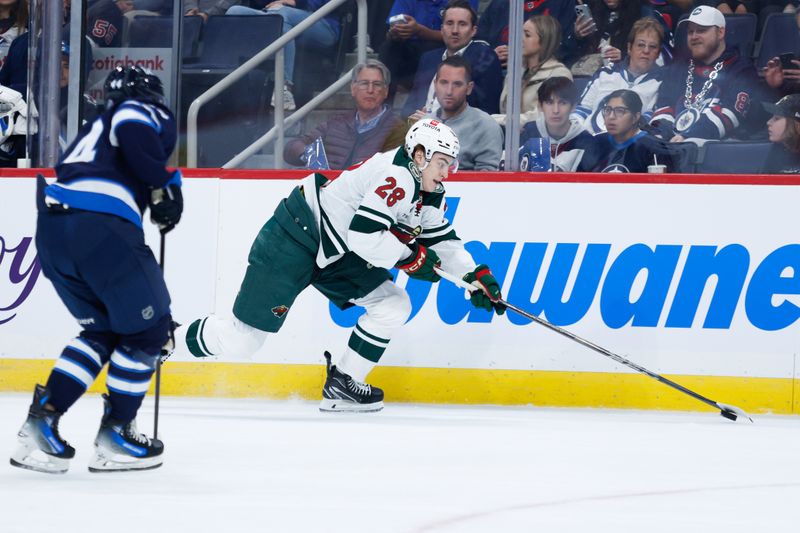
(91, 247)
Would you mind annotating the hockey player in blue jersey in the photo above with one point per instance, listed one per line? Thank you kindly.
(91, 247)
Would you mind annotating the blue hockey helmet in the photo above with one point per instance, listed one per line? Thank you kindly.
(133, 82)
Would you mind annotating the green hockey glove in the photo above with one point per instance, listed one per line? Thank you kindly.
(489, 295)
(420, 264)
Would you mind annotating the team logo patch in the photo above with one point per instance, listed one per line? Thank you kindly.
(147, 312)
(697, 11)
(279, 311)
(616, 168)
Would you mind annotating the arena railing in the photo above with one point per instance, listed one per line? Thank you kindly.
(281, 123)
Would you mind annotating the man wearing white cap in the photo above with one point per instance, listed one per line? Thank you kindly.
(710, 95)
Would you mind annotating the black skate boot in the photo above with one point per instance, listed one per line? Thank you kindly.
(41, 448)
(121, 448)
(343, 393)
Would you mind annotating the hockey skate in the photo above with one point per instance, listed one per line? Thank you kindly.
(121, 448)
(342, 393)
(41, 448)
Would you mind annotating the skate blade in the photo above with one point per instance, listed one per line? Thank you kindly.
(346, 406)
(38, 461)
(103, 464)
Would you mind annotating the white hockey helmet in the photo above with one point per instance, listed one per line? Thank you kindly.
(434, 136)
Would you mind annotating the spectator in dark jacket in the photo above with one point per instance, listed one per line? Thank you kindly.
(414, 28)
(354, 136)
(458, 32)
(105, 22)
(626, 148)
(784, 133)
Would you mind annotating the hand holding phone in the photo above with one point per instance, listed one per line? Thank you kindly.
(787, 61)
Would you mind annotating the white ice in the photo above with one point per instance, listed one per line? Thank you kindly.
(246, 465)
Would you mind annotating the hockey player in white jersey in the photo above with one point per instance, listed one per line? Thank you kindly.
(341, 236)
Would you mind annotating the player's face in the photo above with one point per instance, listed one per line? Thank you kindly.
(452, 88)
(457, 28)
(531, 43)
(436, 171)
(705, 42)
(643, 52)
(369, 91)
(556, 112)
(776, 126)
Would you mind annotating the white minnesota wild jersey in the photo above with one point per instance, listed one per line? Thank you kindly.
(356, 211)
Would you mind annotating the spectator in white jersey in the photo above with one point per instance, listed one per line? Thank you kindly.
(569, 144)
(637, 72)
(480, 137)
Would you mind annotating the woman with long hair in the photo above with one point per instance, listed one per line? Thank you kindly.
(624, 146)
(784, 133)
(540, 40)
(13, 23)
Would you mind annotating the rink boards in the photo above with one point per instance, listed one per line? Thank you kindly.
(697, 279)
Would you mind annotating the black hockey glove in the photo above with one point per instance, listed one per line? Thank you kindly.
(420, 263)
(166, 207)
(489, 295)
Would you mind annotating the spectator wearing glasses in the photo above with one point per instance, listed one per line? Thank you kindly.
(354, 136)
(784, 133)
(638, 72)
(570, 145)
(625, 147)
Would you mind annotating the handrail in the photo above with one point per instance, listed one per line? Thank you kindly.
(263, 55)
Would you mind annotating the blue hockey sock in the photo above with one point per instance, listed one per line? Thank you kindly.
(74, 371)
(128, 380)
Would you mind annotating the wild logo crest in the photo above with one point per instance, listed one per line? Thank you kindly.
(279, 310)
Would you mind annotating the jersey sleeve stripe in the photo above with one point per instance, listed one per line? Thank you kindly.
(437, 231)
(363, 224)
(430, 241)
(375, 215)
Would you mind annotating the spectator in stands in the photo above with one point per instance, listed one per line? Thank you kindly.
(540, 38)
(784, 133)
(323, 34)
(105, 22)
(354, 136)
(638, 72)
(626, 147)
(493, 25)
(602, 38)
(481, 139)
(458, 31)
(13, 22)
(408, 39)
(570, 144)
(206, 8)
(710, 95)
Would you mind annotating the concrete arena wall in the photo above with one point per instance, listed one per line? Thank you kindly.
(694, 277)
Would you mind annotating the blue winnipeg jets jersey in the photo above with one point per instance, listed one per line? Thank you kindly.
(116, 160)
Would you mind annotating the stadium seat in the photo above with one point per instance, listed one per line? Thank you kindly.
(780, 35)
(156, 32)
(230, 40)
(740, 32)
(733, 157)
(580, 83)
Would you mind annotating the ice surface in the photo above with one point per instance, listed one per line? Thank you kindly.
(246, 466)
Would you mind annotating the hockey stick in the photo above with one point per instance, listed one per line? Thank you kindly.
(158, 364)
(730, 412)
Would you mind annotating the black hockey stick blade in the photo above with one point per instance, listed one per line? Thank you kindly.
(730, 412)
